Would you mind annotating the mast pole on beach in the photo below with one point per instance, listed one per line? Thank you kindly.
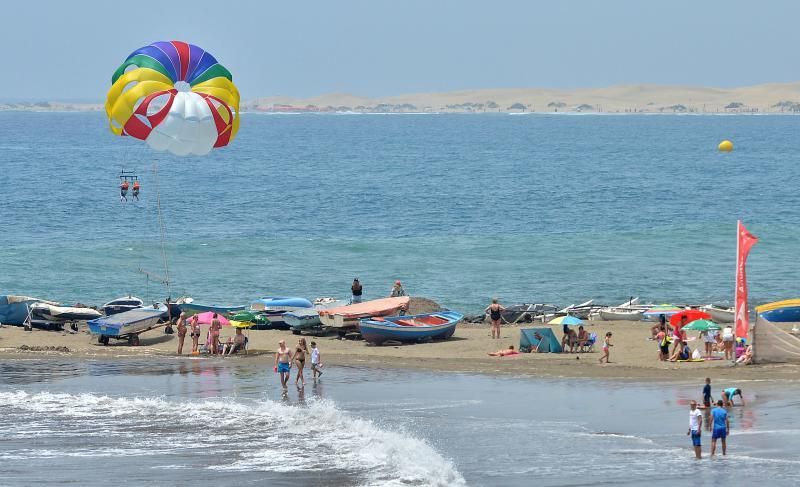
(736, 291)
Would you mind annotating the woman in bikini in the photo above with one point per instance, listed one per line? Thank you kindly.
(195, 328)
(214, 334)
(495, 312)
(283, 363)
(181, 332)
(300, 352)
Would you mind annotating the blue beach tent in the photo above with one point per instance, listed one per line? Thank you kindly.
(543, 338)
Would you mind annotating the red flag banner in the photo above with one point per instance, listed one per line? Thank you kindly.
(745, 241)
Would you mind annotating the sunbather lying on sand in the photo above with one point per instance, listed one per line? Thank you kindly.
(502, 353)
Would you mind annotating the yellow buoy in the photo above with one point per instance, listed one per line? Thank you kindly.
(725, 146)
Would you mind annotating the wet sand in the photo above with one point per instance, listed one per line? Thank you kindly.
(633, 356)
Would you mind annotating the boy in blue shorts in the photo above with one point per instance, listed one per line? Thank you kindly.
(719, 418)
(695, 427)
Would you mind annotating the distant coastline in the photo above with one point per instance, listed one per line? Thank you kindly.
(628, 99)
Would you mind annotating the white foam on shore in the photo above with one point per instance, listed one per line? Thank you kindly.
(258, 435)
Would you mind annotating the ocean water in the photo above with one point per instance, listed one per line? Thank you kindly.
(206, 422)
(535, 208)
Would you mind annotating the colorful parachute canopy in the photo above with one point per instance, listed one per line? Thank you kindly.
(176, 97)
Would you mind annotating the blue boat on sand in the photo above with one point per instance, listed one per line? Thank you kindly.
(276, 307)
(14, 309)
(429, 326)
(787, 311)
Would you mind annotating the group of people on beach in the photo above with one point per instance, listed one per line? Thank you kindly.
(285, 358)
(716, 418)
(213, 344)
(665, 334)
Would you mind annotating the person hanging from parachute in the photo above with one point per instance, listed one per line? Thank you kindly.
(123, 191)
(136, 190)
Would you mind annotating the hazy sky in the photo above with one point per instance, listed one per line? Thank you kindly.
(67, 50)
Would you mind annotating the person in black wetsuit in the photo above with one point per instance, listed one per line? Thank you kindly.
(495, 312)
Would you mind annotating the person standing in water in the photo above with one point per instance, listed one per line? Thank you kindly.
(357, 291)
(722, 425)
(300, 352)
(316, 362)
(181, 326)
(397, 290)
(195, 334)
(495, 312)
(283, 363)
(695, 428)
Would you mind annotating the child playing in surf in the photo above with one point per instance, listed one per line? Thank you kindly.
(606, 346)
(316, 363)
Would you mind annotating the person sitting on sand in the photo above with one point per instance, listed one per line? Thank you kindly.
(583, 338)
(502, 353)
(234, 343)
(747, 356)
(569, 339)
(682, 352)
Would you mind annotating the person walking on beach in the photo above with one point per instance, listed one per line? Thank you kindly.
(214, 334)
(678, 335)
(606, 345)
(397, 290)
(357, 289)
(195, 333)
(181, 326)
(695, 428)
(316, 362)
(283, 363)
(722, 425)
(300, 352)
(495, 312)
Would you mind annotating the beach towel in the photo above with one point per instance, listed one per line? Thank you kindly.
(692, 360)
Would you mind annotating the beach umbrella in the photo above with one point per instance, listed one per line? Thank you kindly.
(690, 314)
(205, 318)
(662, 309)
(565, 320)
(241, 324)
(702, 325)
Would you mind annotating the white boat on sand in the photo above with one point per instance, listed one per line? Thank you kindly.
(720, 315)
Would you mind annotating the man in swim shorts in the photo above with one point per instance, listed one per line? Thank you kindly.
(283, 360)
(695, 428)
(722, 425)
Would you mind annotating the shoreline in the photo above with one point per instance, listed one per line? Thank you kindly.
(633, 357)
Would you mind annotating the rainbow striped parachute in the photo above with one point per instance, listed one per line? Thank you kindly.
(176, 97)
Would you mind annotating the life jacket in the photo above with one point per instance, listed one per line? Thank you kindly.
(124, 185)
(136, 185)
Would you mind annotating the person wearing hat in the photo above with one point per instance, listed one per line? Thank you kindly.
(357, 291)
(397, 290)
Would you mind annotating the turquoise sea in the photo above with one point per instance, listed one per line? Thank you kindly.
(535, 208)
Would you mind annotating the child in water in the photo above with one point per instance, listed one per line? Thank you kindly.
(606, 351)
(316, 364)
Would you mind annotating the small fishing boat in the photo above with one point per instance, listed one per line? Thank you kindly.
(191, 308)
(654, 312)
(119, 305)
(346, 317)
(720, 315)
(128, 324)
(526, 313)
(14, 309)
(54, 313)
(428, 326)
(275, 308)
(787, 311)
(621, 314)
(308, 318)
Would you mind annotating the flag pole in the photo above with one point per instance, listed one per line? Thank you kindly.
(736, 290)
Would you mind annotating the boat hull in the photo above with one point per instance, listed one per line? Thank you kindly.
(620, 315)
(127, 323)
(345, 317)
(121, 305)
(14, 309)
(781, 311)
(194, 308)
(63, 313)
(720, 315)
(442, 326)
(305, 319)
